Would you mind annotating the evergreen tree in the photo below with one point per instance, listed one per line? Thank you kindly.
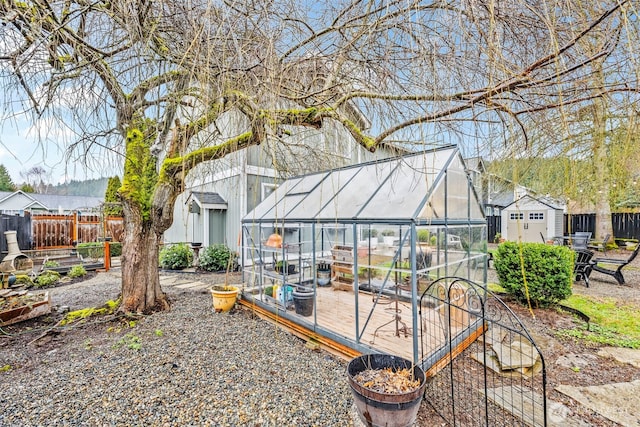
(6, 184)
(111, 202)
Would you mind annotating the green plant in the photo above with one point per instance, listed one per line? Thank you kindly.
(371, 232)
(215, 258)
(23, 279)
(131, 341)
(46, 278)
(176, 256)
(424, 236)
(90, 250)
(51, 264)
(433, 240)
(388, 233)
(497, 238)
(115, 248)
(77, 271)
(535, 272)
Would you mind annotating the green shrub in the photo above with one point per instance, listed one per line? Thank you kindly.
(51, 264)
(215, 258)
(548, 271)
(77, 271)
(96, 249)
(46, 278)
(115, 248)
(23, 279)
(91, 250)
(423, 236)
(176, 256)
(388, 233)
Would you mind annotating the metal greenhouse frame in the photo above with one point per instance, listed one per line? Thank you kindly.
(363, 243)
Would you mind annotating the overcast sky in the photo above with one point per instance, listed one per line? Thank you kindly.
(20, 151)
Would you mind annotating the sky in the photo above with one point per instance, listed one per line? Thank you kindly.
(21, 151)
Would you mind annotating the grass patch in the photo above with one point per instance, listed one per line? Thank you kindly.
(612, 323)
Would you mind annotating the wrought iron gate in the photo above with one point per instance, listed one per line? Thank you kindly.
(492, 373)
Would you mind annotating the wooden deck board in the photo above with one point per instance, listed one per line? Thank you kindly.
(335, 311)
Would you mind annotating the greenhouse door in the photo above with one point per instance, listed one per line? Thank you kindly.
(217, 226)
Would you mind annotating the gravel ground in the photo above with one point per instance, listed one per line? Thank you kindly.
(198, 368)
(193, 368)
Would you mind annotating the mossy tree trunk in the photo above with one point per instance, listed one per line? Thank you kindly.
(141, 291)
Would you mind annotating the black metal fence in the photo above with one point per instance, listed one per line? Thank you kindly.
(498, 379)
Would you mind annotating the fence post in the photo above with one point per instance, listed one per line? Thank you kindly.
(107, 256)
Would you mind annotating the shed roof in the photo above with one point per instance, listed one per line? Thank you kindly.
(430, 186)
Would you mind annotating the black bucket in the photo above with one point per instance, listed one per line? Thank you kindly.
(303, 300)
(385, 409)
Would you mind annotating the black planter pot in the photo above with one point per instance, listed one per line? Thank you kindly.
(377, 409)
(303, 301)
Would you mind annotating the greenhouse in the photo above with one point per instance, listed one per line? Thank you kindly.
(345, 256)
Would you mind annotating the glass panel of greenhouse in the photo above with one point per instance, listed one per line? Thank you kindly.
(349, 253)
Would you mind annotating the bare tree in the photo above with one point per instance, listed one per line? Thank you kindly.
(154, 80)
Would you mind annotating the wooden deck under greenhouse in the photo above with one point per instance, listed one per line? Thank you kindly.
(388, 330)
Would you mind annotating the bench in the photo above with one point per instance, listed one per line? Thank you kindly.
(619, 264)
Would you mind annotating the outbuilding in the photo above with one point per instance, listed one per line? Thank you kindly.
(346, 256)
(530, 219)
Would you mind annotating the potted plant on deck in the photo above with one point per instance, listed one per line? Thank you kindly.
(285, 266)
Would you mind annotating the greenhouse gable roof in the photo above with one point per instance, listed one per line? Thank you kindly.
(428, 186)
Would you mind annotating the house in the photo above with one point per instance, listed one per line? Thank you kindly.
(17, 202)
(221, 193)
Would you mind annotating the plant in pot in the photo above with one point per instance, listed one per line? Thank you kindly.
(224, 295)
(284, 266)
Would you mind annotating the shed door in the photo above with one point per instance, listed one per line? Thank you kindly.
(535, 224)
(528, 224)
(217, 226)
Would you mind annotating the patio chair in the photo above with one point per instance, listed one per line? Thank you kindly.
(583, 266)
(579, 242)
(454, 241)
(619, 264)
(600, 245)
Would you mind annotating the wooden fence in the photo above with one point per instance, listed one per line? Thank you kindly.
(51, 231)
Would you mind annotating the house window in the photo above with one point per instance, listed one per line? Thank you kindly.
(267, 189)
(536, 216)
(513, 216)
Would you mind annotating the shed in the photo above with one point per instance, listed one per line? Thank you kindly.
(531, 219)
(365, 242)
